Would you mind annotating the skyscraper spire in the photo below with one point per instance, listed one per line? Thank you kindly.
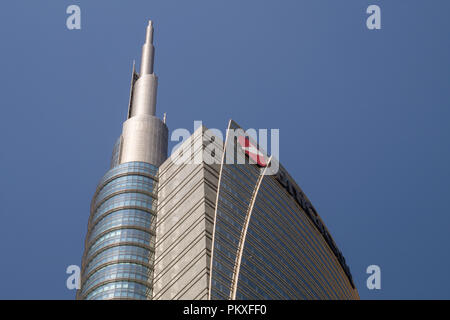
(144, 136)
(148, 51)
(144, 88)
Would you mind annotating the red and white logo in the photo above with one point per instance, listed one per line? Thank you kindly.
(252, 151)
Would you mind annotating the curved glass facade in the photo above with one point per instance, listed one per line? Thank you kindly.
(118, 260)
(284, 257)
(236, 186)
(265, 245)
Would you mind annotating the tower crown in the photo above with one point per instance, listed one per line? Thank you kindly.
(144, 136)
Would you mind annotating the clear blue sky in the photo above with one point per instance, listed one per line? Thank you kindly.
(363, 116)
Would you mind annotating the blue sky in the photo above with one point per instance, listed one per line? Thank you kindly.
(363, 118)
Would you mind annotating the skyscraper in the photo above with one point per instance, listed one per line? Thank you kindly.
(176, 228)
(229, 230)
(119, 246)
